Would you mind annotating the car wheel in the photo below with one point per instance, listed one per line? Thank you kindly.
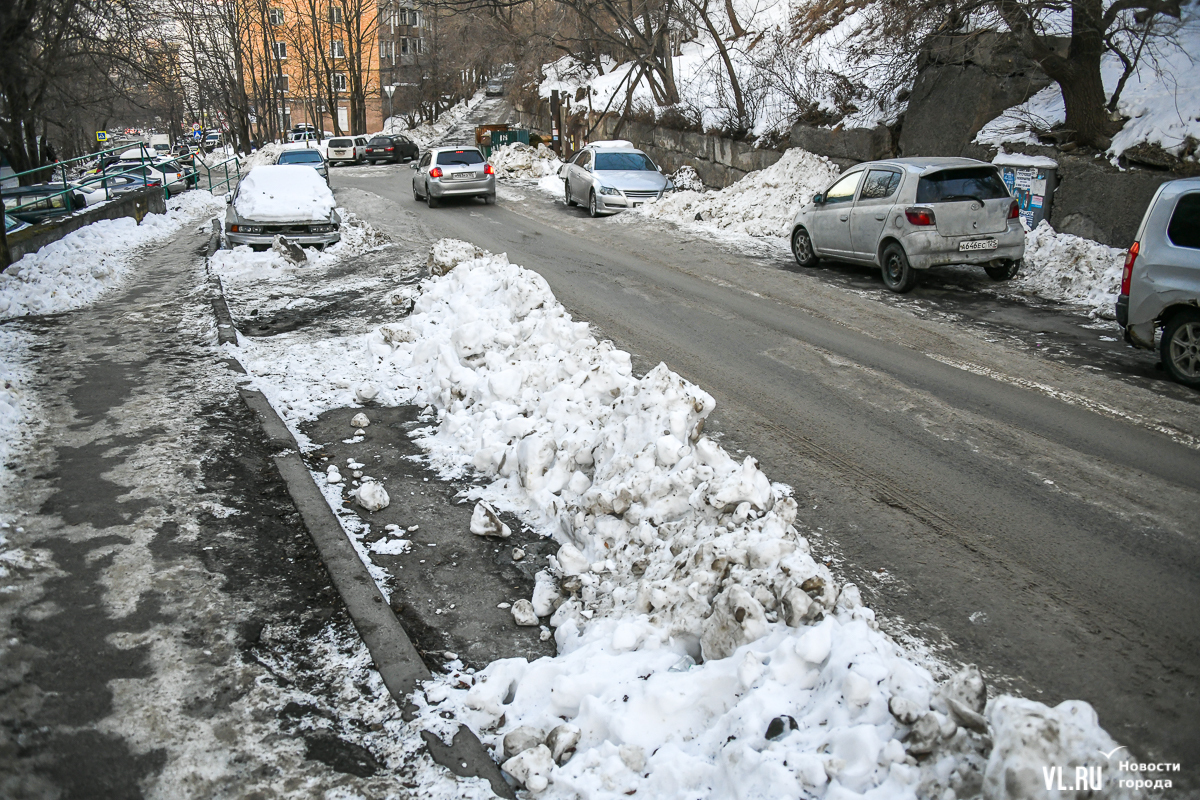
(489, 199)
(1005, 272)
(592, 204)
(897, 274)
(1181, 347)
(567, 192)
(430, 200)
(416, 194)
(371, 162)
(802, 248)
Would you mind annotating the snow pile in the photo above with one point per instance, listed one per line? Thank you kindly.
(1060, 266)
(1161, 99)
(284, 193)
(762, 203)
(242, 264)
(703, 651)
(73, 271)
(522, 162)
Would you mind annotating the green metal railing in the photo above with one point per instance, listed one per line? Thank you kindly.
(62, 202)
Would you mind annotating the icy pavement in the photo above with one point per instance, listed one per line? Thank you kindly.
(168, 630)
(703, 650)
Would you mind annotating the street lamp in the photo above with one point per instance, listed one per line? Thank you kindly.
(389, 90)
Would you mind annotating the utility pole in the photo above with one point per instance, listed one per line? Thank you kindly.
(555, 127)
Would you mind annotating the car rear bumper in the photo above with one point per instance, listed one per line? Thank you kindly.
(266, 239)
(444, 188)
(927, 249)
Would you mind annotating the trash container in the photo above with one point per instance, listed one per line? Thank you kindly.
(1032, 180)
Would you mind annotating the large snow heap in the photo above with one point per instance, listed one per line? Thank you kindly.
(703, 650)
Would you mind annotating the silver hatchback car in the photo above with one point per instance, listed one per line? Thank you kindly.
(611, 176)
(453, 172)
(1160, 286)
(909, 214)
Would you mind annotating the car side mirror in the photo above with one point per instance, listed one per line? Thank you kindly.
(819, 199)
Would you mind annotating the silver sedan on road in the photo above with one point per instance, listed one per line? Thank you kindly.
(909, 214)
(453, 172)
(611, 176)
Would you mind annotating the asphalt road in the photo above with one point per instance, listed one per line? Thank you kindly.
(1026, 514)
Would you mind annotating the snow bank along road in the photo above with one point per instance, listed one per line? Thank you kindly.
(1034, 515)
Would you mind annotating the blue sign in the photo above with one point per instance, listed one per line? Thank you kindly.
(196, 134)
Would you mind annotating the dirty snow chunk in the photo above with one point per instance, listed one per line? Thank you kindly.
(372, 496)
(1028, 735)
(1060, 266)
(531, 768)
(520, 739)
(523, 614)
(284, 193)
(519, 161)
(359, 420)
(365, 393)
(446, 254)
(333, 475)
(545, 594)
(762, 203)
(484, 522)
(687, 179)
(571, 561)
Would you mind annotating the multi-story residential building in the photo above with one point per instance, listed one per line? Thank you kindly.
(329, 60)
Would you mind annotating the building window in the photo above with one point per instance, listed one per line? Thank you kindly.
(336, 50)
(335, 13)
(404, 47)
(281, 83)
(387, 50)
(339, 81)
(275, 15)
(281, 49)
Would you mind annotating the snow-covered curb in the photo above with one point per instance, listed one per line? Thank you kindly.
(522, 162)
(703, 650)
(73, 271)
(1071, 269)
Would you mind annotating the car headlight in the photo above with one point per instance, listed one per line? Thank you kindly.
(245, 228)
(608, 190)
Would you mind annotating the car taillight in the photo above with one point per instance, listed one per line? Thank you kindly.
(389, 148)
(436, 172)
(1015, 211)
(919, 216)
(488, 169)
(1127, 273)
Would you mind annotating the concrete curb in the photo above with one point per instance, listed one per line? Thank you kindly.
(395, 657)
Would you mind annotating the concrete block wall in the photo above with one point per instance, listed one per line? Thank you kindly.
(135, 204)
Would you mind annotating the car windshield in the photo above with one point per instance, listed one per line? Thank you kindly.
(971, 183)
(341, 143)
(300, 157)
(460, 157)
(632, 162)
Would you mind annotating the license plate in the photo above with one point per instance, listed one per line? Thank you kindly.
(977, 244)
(463, 176)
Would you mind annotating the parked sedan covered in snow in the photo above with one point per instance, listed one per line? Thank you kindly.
(611, 176)
(288, 200)
(908, 214)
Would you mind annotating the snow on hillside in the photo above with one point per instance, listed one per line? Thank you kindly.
(704, 649)
(73, 271)
(1162, 99)
(425, 134)
(762, 203)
